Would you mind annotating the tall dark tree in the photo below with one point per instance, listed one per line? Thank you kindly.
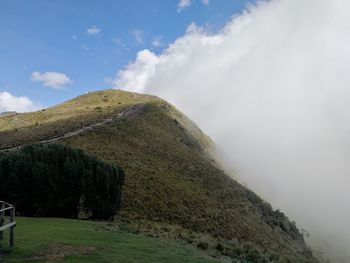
(58, 181)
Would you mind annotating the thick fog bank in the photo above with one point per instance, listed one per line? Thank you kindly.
(272, 89)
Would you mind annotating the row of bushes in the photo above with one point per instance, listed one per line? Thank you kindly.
(275, 218)
(58, 181)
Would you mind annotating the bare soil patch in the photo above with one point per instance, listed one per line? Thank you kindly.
(57, 253)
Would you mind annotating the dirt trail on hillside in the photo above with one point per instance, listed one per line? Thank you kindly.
(130, 112)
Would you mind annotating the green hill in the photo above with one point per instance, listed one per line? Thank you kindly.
(172, 176)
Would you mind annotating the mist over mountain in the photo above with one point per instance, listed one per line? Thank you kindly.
(271, 89)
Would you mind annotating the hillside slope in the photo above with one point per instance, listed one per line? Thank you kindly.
(171, 173)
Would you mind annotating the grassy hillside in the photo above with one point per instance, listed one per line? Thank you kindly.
(171, 175)
(76, 110)
(62, 240)
(69, 116)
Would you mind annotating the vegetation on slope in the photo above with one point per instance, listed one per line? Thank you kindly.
(76, 110)
(58, 181)
(171, 177)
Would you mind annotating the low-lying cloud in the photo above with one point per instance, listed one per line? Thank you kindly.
(9, 102)
(272, 90)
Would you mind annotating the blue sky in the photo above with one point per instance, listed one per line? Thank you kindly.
(53, 36)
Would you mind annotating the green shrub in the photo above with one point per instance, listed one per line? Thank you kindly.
(58, 181)
(203, 245)
(220, 247)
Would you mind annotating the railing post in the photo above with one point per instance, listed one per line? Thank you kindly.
(2, 214)
(12, 229)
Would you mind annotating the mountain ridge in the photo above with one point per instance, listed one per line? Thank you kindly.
(172, 173)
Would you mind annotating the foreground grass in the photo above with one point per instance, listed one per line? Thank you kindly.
(63, 240)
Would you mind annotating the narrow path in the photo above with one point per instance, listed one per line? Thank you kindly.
(132, 111)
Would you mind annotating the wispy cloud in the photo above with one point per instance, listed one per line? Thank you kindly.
(157, 42)
(118, 41)
(9, 102)
(85, 47)
(138, 35)
(74, 37)
(94, 30)
(121, 44)
(51, 79)
(183, 4)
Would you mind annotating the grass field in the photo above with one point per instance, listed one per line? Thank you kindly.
(64, 240)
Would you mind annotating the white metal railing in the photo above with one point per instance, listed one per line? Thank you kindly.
(7, 220)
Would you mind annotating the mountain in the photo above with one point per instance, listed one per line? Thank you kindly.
(7, 113)
(173, 178)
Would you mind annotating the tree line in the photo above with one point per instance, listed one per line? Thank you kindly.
(58, 181)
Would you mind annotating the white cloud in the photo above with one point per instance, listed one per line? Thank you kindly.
(183, 4)
(94, 30)
(52, 79)
(139, 72)
(138, 35)
(8, 102)
(74, 37)
(157, 42)
(272, 89)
